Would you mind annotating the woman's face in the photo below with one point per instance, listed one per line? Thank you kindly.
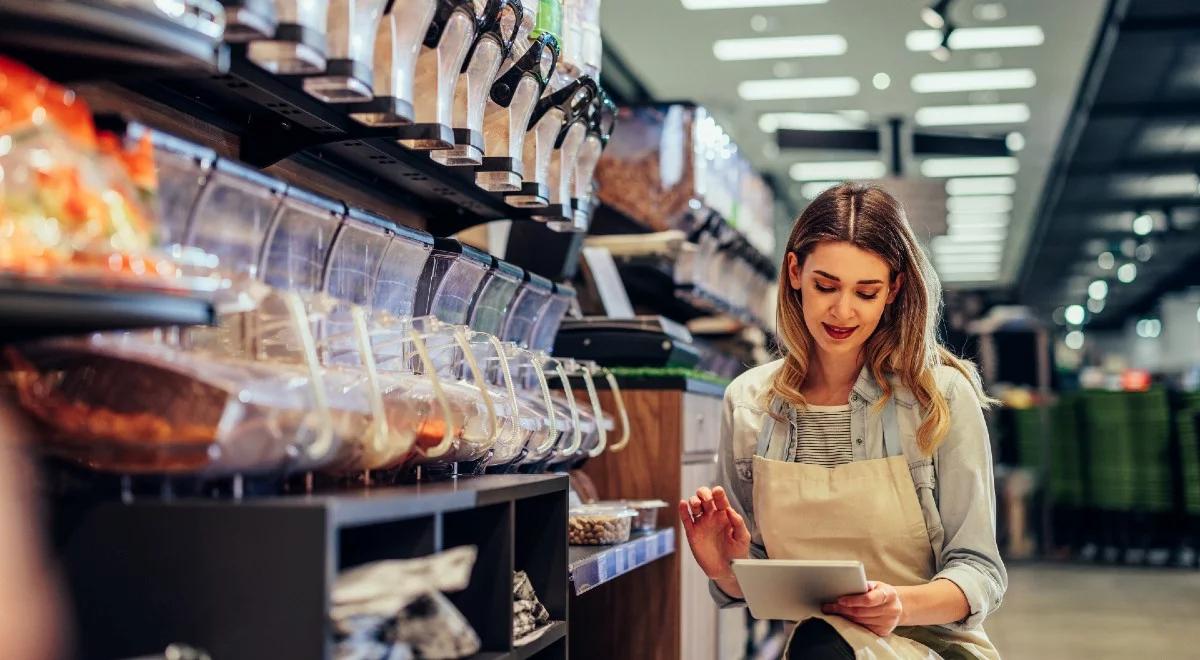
(844, 290)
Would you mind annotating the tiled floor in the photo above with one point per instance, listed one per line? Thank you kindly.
(1098, 613)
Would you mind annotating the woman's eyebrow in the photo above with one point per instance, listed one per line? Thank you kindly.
(835, 278)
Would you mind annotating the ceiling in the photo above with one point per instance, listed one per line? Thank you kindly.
(1133, 147)
(670, 49)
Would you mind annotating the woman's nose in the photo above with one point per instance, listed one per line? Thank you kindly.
(843, 307)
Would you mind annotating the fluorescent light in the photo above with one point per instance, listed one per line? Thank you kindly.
(969, 115)
(977, 220)
(1095, 306)
(1015, 36)
(814, 188)
(954, 167)
(1075, 315)
(797, 88)
(838, 170)
(994, 185)
(980, 204)
(981, 260)
(943, 245)
(977, 233)
(935, 15)
(745, 4)
(1106, 260)
(778, 48)
(1127, 273)
(1098, 290)
(881, 81)
(770, 122)
(969, 277)
(973, 81)
(1014, 141)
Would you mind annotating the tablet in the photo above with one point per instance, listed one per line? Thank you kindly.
(793, 590)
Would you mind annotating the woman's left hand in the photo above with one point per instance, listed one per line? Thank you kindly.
(878, 610)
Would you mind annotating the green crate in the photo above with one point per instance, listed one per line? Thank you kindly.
(1189, 450)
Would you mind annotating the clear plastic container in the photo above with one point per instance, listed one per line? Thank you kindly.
(182, 169)
(527, 309)
(454, 28)
(246, 20)
(351, 278)
(491, 48)
(233, 216)
(397, 45)
(298, 45)
(451, 281)
(510, 108)
(597, 524)
(352, 25)
(551, 318)
(559, 106)
(603, 115)
(496, 295)
(647, 513)
(300, 241)
(141, 408)
(400, 272)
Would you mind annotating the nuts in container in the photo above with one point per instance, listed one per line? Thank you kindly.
(592, 524)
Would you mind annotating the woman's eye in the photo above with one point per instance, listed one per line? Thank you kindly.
(868, 296)
(824, 289)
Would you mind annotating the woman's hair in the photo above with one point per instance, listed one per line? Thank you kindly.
(905, 344)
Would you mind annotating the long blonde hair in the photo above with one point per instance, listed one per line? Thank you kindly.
(905, 344)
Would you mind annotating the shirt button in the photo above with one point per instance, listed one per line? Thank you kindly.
(854, 398)
(858, 441)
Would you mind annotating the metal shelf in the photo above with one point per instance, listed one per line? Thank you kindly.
(592, 566)
(32, 311)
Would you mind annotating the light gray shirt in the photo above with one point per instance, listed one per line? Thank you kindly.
(955, 485)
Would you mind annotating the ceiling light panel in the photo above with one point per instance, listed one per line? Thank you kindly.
(778, 48)
(970, 115)
(980, 204)
(948, 245)
(843, 120)
(838, 170)
(935, 168)
(977, 233)
(973, 81)
(812, 189)
(982, 221)
(1014, 36)
(997, 185)
(798, 88)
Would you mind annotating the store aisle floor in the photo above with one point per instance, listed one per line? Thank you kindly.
(1098, 613)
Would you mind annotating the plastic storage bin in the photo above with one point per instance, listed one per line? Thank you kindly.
(596, 524)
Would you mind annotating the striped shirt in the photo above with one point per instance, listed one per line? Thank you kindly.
(821, 435)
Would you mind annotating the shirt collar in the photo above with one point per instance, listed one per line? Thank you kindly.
(866, 387)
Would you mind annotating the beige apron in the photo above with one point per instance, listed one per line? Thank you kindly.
(865, 510)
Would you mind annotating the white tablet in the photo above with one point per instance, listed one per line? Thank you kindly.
(793, 590)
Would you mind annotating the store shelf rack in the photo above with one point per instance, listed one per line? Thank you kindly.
(592, 566)
(31, 310)
(251, 579)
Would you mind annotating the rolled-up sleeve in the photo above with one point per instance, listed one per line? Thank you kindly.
(741, 498)
(966, 499)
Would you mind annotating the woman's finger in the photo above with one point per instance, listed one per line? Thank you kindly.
(685, 516)
(720, 499)
(872, 598)
(740, 533)
(706, 499)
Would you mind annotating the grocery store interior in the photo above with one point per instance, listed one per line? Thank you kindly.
(389, 329)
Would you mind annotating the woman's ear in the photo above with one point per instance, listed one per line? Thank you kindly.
(793, 270)
(897, 284)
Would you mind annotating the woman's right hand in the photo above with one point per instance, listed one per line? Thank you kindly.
(716, 533)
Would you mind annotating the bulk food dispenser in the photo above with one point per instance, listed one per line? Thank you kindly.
(298, 44)
(454, 28)
(491, 48)
(350, 51)
(551, 114)
(602, 116)
(564, 157)
(398, 42)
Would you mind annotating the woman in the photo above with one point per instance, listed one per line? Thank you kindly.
(866, 441)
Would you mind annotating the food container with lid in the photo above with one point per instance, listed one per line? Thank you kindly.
(527, 308)
(647, 513)
(513, 98)
(233, 215)
(496, 294)
(454, 28)
(298, 45)
(451, 281)
(353, 26)
(398, 42)
(498, 31)
(300, 240)
(399, 273)
(551, 317)
(602, 116)
(599, 524)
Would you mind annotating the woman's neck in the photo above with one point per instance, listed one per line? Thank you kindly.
(830, 379)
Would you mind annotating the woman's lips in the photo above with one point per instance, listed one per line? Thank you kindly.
(837, 332)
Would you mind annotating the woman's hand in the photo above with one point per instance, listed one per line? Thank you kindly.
(878, 610)
(716, 534)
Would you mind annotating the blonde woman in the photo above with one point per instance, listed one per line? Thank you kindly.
(865, 441)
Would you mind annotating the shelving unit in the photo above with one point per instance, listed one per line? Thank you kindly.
(33, 310)
(251, 579)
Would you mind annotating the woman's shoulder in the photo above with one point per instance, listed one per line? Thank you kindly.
(748, 388)
(949, 380)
